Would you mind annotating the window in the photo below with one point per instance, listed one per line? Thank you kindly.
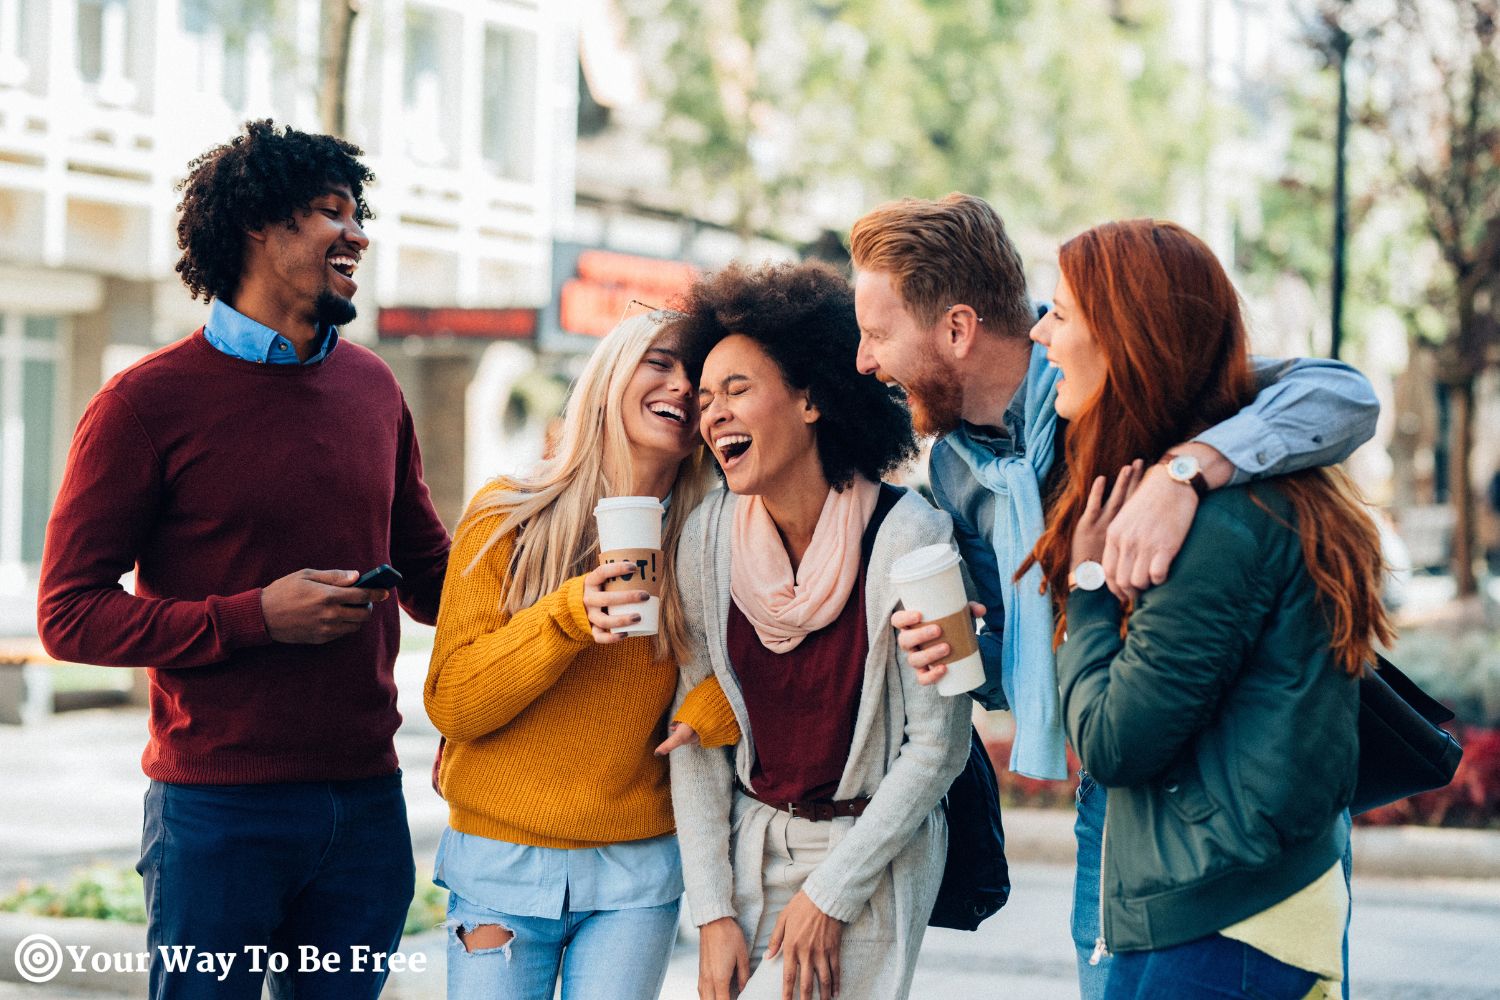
(15, 43)
(29, 361)
(509, 102)
(103, 44)
(225, 37)
(430, 88)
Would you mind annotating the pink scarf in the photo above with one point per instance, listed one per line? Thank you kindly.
(784, 607)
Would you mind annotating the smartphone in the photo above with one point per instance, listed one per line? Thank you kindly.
(382, 577)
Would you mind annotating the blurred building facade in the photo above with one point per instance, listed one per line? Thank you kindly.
(466, 110)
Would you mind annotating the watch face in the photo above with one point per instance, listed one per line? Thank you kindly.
(1089, 575)
(1182, 468)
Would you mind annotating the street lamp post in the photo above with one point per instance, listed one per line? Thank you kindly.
(1338, 44)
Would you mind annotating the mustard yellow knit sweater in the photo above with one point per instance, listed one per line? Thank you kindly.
(550, 736)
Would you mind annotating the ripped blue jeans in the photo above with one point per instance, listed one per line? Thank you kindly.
(599, 954)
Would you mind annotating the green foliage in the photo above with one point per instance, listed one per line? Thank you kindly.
(1459, 667)
(103, 892)
(1059, 114)
(96, 893)
(429, 908)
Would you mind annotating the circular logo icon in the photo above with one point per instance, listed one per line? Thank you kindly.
(38, 958)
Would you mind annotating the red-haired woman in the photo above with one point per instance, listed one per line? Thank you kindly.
(1219, 708)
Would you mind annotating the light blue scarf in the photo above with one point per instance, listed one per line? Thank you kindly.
(1029, 670)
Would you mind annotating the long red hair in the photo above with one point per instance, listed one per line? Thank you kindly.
(1168, 322)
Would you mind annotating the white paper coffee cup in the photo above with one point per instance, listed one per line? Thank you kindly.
(630, 531)
(931, 583)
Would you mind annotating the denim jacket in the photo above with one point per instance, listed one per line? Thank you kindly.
(1309, 412)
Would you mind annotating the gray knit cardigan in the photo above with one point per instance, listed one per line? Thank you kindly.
(909, 744)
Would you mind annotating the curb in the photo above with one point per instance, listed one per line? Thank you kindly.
(1426, 852)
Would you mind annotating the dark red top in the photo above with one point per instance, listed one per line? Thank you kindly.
(802, 704)
(211, 477)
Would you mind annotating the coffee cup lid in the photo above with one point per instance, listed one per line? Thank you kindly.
(927, 561)
(609, 504)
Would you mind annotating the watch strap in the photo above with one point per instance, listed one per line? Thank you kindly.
(1197, 481)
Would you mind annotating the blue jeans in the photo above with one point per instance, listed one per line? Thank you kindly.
(601, 954)
(259, 872)
(1088, 829)
(1211, 968)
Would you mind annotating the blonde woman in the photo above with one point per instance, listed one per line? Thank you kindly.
(560, 857)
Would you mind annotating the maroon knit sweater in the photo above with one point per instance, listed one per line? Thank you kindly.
(211, 477)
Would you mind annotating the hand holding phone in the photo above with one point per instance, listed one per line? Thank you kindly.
(382, 577)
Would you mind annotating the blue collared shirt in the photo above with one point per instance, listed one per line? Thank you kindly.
(526, 881)
(239, 336)
(1309, 412)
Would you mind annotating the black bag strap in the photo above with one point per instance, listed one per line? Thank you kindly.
(1425, 705)
(889, 495)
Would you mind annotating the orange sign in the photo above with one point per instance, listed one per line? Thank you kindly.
(593, 302)
(491, 324)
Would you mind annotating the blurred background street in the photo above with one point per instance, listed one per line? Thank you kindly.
(541, 165)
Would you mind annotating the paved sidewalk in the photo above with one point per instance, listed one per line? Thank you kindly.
(71, 790)
(1411, 940)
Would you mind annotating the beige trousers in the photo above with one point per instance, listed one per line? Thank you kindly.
(794, 847)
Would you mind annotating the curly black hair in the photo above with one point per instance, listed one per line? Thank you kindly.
(802, 316)
(260, 177)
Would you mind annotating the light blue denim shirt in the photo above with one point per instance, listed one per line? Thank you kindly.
(526, 881)
(239, 336)
(1308, 412)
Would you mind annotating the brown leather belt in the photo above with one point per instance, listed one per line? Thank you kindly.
(818, 812)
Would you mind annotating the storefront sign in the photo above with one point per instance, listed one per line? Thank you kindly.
(486, 324)
(604, 283)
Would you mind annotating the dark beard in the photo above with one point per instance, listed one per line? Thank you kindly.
(332, 310)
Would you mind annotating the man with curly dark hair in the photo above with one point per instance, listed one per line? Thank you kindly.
(219, 469)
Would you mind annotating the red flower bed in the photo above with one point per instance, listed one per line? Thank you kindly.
(1018, 791)
(1472, 799)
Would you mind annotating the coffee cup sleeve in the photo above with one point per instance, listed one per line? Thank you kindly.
(647, 574)
(958, 633)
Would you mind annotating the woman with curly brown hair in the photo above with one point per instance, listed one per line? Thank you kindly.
(812, 853)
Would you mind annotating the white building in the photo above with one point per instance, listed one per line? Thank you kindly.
(466, 110)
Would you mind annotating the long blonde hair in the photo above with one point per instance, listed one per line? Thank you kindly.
(552, 509)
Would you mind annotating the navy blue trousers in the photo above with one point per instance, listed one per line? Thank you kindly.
(301, 885)
(1211, 968)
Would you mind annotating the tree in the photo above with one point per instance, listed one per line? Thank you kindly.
(333, 63)
(1059, 112)
(1439, 61)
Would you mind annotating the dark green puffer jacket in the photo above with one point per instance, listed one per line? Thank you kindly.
(1221, 725)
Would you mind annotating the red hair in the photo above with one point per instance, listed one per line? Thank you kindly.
(1167, 320)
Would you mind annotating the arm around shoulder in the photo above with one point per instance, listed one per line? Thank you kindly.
(1309, 412)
